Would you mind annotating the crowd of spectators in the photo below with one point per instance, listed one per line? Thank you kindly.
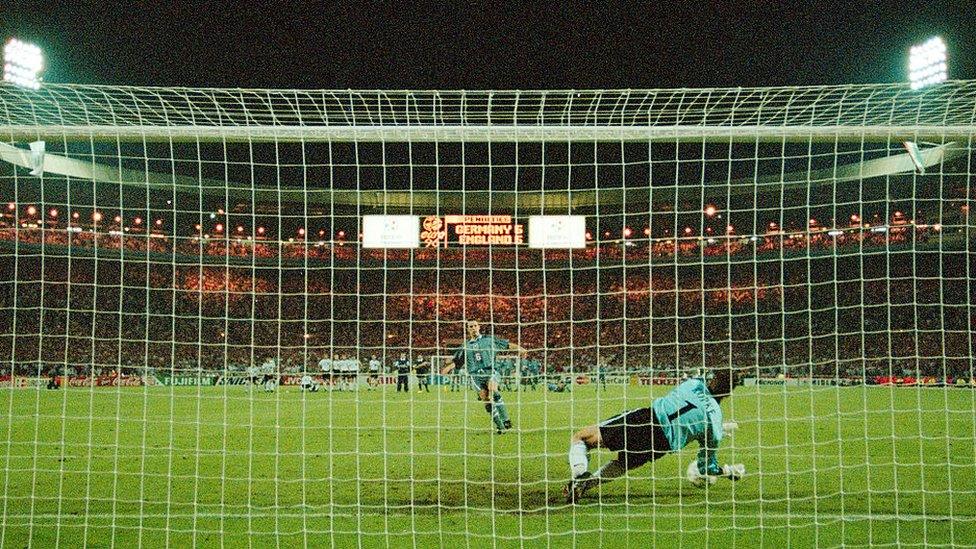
(239, 248)
(208, 319)
(111, 312)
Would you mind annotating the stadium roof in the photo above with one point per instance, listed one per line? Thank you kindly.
(943, 116)
(858, 113)
(137, 184)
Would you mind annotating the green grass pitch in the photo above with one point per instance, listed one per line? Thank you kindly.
(227, 466)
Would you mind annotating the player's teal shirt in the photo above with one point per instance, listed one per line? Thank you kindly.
(687, 413)
(478, 354)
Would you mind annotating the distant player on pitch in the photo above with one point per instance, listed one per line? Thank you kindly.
(374, 372)
(689, 412)
(350, 373)
(402, 367)
(477, 354)
(308, 384)
(531, 368)
(253, 376)
(325, 365)
(270, 371)
(422, 370)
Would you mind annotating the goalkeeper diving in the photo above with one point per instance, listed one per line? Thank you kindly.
(477, 354)
(690, 412)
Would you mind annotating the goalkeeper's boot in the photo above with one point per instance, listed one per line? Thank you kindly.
(575, 488)
(508, 424)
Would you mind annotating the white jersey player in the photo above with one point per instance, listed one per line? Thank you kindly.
(373, 378)
(350, 373)
(253, 374)
(326, 366)
(270, 371)
(308, 384)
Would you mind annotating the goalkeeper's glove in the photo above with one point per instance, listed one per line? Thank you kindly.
(734, 472)
(729, 427)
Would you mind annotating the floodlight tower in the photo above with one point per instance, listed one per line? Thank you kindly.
(927, 63)
(22, 64)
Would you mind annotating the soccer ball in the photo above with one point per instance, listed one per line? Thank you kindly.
(697, 479)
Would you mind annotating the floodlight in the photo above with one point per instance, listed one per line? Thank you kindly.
(927, 63)
(22, 64)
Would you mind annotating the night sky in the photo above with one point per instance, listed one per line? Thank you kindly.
(493, 45)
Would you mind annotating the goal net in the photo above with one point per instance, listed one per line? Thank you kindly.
(173, 263)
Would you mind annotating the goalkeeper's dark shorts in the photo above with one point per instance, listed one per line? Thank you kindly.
(636, 436)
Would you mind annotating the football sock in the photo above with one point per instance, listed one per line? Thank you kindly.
(495, 416)
(500, 406)
(578, 462)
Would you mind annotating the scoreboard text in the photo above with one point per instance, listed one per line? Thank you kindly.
(471, 230)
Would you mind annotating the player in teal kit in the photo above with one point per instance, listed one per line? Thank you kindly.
(689, 412)
(530, 372)
(477, 355)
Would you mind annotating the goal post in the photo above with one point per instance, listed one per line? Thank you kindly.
(163, 243)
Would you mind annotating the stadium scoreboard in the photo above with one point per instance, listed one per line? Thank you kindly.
(471, 230)
(432, 231)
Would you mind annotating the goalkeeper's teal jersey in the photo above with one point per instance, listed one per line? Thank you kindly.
(478, 354)
(687, 413)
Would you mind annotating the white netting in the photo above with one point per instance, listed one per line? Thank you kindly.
(180, 259)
